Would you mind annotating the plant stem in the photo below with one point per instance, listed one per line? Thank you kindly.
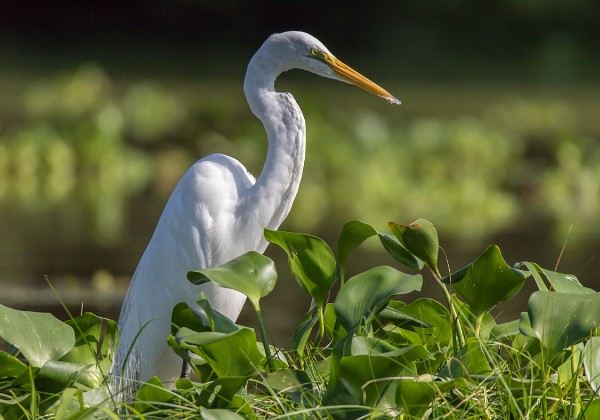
(576, 396)
(263, 334)
(453, 313)
(321, 325)
(478, 325)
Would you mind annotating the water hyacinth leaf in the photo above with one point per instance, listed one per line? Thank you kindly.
(469, 318)
(366, 293)
(10, 366)
(71, 400)
(487, 281)
(228, 354)
(151, 394)
(38, 336)
(525, 327)
(294, 383)
(252, 274)
(592, 410)
(220, 392)
(366, 378)
(421, 239)
(416, 395)
(356, 232)
(310, 259)
(399, 318)
(559, 320)
(67, 373)
(94, 340)
(333, 327)
(591, 362)
(534, 271)
(183, 316)
(439, 332)
(559, 282)
(507, 329)
(302, 333)
(469, 361)
(219, 414)
(352, 235)
(217, 321)
(399, 253)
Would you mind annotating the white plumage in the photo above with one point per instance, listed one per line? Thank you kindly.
(218, 212)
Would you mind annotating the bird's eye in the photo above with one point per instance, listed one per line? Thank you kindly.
(314, 52)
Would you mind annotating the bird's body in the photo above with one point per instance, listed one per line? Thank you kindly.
(218, 212)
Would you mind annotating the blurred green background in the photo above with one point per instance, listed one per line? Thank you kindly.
(104, 106)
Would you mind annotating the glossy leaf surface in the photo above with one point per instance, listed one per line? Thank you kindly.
(252, 274)
(487, 281)
(367, 292)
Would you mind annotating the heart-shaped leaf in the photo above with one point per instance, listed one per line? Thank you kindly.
(10, 366)
(366, 293)
(469, 361)
(310, 259)
(416, 395)
(559, 282)
(229, 354)
(421, 239)
(295, 383)
(559, 320)
(150, 394)
(487, 281)
(356, 232)
(38, 336)
(252, 274)
(438, 332)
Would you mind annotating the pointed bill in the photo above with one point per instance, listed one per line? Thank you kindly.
(350, 75)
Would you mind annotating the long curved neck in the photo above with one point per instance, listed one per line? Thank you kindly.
(278, 183)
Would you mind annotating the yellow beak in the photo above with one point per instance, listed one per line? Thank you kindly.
(350, 75)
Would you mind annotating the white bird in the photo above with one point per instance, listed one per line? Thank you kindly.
(218, 211)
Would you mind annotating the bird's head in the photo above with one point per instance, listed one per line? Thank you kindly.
(303, 51)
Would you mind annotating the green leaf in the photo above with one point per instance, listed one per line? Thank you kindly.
(439, 333)
(421, 239)
(219, 414)
(559, 320)
(418, 394)
(469, 361)
(38, 336)
(487, 281)
(507, 329)
(231, 354)
(399, 318)
(294, 383)
(183, 316)
(310, 259)
(366, 293)
(220, 392)
(365, 379)
(94, 343)
(151, 394)
(591, 362)
(356, 232)
(352, 235)
(68, 373)
(10, 366)
(252, 274)
(302, 333)
(67, 403)
(217, 321)
(559, 282)
(592, 411)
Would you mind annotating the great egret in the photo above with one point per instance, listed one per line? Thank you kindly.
(218, 212)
